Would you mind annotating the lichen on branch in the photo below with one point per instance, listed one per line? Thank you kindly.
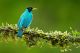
(35, 37)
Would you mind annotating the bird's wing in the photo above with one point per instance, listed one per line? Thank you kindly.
(20, 22)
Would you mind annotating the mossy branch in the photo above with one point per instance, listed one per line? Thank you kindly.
(36, 37)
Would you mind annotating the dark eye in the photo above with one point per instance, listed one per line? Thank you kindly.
(29, 9)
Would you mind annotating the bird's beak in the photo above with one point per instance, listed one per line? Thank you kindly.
(34, 8)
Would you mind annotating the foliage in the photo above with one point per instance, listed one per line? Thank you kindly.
(38, 38)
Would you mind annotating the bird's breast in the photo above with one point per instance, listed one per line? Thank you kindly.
(28, 20)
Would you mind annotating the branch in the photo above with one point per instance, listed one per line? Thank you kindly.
(36, 37)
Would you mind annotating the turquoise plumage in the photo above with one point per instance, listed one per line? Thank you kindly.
(24, 21)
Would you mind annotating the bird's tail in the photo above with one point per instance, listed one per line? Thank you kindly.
(20, 33)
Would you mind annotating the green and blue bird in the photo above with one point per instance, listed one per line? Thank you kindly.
(25, 20)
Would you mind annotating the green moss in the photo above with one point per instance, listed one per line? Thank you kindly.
(38, 38)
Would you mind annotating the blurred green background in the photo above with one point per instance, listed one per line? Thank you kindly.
(50, 15)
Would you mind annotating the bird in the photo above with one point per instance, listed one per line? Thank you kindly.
(25, 20)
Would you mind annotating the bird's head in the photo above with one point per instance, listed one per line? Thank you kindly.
(30, 9)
